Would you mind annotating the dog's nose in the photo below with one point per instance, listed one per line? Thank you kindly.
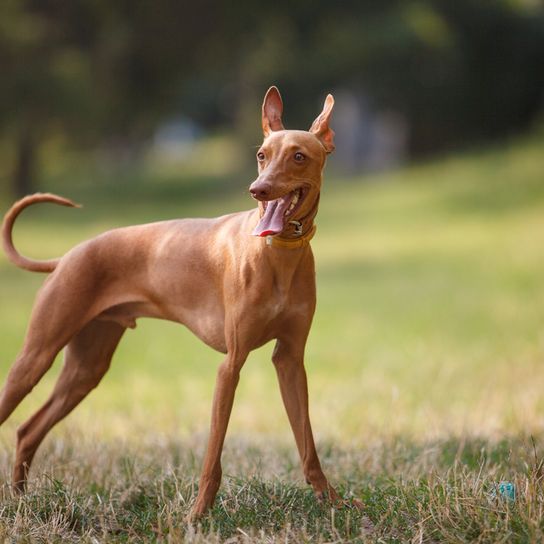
(260, 190)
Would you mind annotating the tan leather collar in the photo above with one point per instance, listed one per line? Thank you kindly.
(291, 243)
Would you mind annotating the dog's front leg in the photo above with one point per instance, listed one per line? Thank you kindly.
(210, 479)
(288, 359)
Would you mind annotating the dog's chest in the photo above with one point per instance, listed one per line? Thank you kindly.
(281, 296)
(275, 304)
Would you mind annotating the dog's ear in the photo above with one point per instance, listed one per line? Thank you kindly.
(320, 127)
(272, 110)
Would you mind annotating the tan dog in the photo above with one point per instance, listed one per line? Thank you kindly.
(235, 291)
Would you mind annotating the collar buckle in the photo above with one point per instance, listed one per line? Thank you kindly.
(298, 227)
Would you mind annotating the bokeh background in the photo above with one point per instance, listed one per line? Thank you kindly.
(430, 254)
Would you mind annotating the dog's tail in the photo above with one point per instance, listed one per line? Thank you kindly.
(9, 219)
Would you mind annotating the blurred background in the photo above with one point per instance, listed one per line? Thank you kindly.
(429, 250)
(126, 83)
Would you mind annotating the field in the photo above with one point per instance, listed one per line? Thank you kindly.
(425, 371)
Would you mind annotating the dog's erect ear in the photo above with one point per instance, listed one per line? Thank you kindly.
(272, 110)
(320, 127)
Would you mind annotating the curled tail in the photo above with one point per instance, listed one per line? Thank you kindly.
(9, 219)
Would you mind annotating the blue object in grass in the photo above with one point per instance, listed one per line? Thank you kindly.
(507, 490)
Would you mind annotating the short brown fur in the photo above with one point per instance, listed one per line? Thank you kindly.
(233, 290)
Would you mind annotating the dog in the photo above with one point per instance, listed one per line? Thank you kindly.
(236, 281)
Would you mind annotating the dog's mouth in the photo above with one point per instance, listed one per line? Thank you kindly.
(278, 212)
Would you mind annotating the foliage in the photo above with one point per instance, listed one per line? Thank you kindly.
(99, 72)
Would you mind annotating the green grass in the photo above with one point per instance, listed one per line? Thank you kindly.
(425, 367)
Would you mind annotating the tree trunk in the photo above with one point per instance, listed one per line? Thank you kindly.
(23, 176)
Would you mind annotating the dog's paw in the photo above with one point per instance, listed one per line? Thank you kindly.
(196, 513)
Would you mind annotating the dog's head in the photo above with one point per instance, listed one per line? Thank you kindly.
(290, 164)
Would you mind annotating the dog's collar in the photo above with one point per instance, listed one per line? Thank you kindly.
(291, 243)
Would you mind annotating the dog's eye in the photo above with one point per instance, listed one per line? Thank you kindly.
(299, 157)
(260, 156)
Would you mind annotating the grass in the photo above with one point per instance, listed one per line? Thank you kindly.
(440, 491)
(425, 367)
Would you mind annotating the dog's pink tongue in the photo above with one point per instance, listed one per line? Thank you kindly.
(272, 221)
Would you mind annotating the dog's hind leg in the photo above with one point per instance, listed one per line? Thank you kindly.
(88, 356)
(25, 373)
(62, 308)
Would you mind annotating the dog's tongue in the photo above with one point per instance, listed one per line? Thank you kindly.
(272, 221)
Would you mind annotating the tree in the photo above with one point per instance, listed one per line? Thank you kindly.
(98, 71)
(92, 70)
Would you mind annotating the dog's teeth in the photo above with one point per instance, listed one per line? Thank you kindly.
(293, 202)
